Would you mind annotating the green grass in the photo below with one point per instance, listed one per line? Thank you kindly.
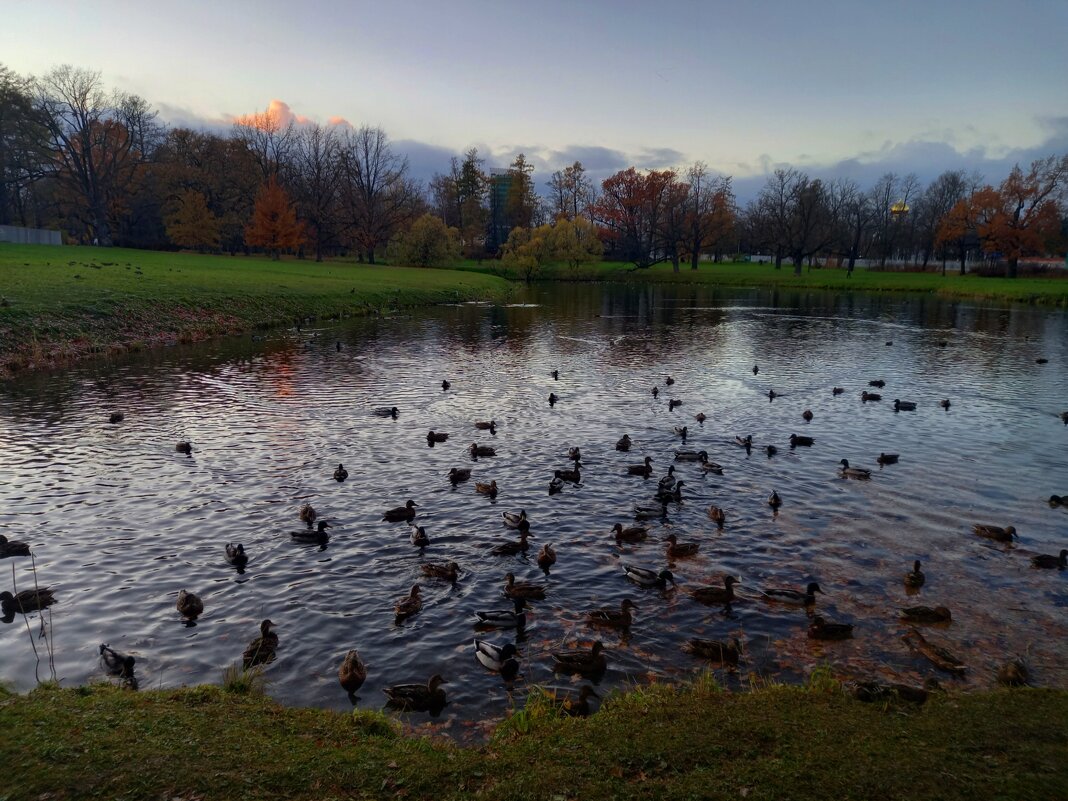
(657, 742)
(67, 302)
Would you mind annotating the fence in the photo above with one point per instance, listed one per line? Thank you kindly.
(30, 236)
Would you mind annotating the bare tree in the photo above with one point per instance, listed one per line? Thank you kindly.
(317, 168)
(710, 211)
(268, 139)
(890, 198)
(571, 192)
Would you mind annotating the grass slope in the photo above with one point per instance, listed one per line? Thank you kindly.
(654, 743)
(67, 302)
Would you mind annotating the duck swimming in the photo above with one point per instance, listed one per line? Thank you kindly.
(116, 664)
(433, 436)
(1048, 561)
(523, 589)
(477, 450)
(487, 425)
(317, 535)
(586, 661)
(877, 384)
(870, 396)
(675, 494)
(837, 391)
(716, 595)
(418, 697)
(262, 649)
(515, 618)
(936, 654)
(624, 443)
(352, 672)
(715, 650)
(613, 618)
(691, 456)
(489, 489)
(445, 385)
(1006, 534)
(852, 472)
(408, 606)
(184, 447)
(887, 458)
(498, 658)
(807, 415)
(820, 629)
(629, 534)
(458, 474)
(650, 512)
(546, 557)
(553, 398)
(806, 597)
(915, 577)
(12, 548)
(680, 550)
(341, 473)
(307, 514)
(574, 476)
(945, 404)
(673, 404)
(904, 406)
(656, 392)
(774, 500)
(26, 600)
(644, 577)
(700, 417)
(717, 516)
(513, 548)
(448, 571)
(399, 513)
(556, 484)
(926, 614)
(391, 411)
(801, 442)
(235, 554)
(116, 417)
(515, 519)
(710, 467)
(771, 450)
(189, 605)
(644, 469)
(668, 481)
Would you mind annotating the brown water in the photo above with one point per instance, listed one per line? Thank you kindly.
(119, 521)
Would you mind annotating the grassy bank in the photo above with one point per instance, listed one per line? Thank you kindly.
(63, 303)
(658, 742)
(737, 274)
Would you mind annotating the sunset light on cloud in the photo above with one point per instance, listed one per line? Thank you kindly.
(281, 115)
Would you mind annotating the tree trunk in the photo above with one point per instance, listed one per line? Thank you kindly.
(1010, 268)
(694, 258)
(370, 255)
(963, 257)
(799, 262)
(778, 260)
(675, 263)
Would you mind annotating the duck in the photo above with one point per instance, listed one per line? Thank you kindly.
(235, 554)
(515, 618)
(878, 384)
(998, 533)
(1064, 417)
(384, 411)
(574, 476)
(458, 474)
(644, 577)
(448, 571)
(489, 489)
(669, 380)
(772, 394)
(675, 494)
(650, 512)
(433, 436)
(668, 481)
(837, 390)
(1058, 500)
(116, 417)
(516, 519)
(116, 664)
(337, 346)
(556, 484)
(717, 515)
(12, 548)
(613, 618)
(587, 661)
(710, 467)
(513, 548)
(553, 398)
(874, 691)
(915, 577)
(352, 672)
(774, 500)
(477, 450)
(820, 629)
(870, 396)
(714, 650)
(887, 458)
(691, 456)
(624, 443)
(904, 406)
(700, 417)
(184, 447)
(445, 385)
(580, 707)
(945, 404)
(716, 595)
(487, 425)
(770, 450)
(340, 474)
(673, 404)
(555, 374)
(308, 514)
(408, 606)
(681, 431)
(189, 605)
(418, 697)
(1014, 674)
(807, 415)
(852, 472)
(680, 550)
(629, 534)
(523, 589)
(399, 513)
(419, 536)
(1059, 562)
(546, 557)
(926, 614)
(317, 535)
(27, 600)
(744, 442)
(498, 658)
(801, 442)
(656, 392)
(574, 453)
(644, 469)
(936, 654)
(806, 597)
(262, 649)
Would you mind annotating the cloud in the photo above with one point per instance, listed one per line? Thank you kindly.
(279, 112)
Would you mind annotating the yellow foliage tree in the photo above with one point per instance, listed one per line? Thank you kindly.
(274, 226)
(191, 224)
(574, 242)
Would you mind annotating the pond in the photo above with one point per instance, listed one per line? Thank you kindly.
(119, 521)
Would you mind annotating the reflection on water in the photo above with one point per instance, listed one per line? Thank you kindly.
(120, 522)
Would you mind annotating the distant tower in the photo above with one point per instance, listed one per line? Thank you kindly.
(500, 183)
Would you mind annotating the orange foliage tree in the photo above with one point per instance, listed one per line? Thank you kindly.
(955, 228)
(274, 226)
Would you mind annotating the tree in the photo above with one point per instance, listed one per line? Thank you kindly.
(799, 215)
(633, 207)
(574, 242)
(427, 243)
(890, 198)
(933, 205)
(855, 221)
(570, 192)
(526, 250)
(22, 152)
(955, 229)
(709, 212)
(274, 225)
(190, 224)
(268, 139)
(317, 178)
(521, 204)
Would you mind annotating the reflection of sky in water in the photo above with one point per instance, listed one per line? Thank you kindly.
(119, 522)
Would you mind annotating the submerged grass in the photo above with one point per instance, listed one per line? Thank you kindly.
(659, 742)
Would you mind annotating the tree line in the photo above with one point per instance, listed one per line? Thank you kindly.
(99, 165)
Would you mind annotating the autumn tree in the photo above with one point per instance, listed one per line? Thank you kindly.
(274, 225)
(633, 207)
(574, 242)
(268, 138)
(933, 206)
(526, 251)
(22, 151)
(955, 229)
(427, 243)
(521, 204)
(709, 212)
(571, 192)
(191, 224)
(317, 182)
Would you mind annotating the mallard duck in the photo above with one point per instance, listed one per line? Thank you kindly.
(680, 550)
(715, 650)
(399, 513)
(772, 394)
(644, 577)
(458, 474)
(523, 589)
(489, 489)
(317, 535)
(837, 391)
(926, 614)
(645, 469)
(116, 417)
(546, 557)
(675, 494)
(445, 385)
(341, 473)
(556, 484)
(184, 447)
(820, 629)
(716, 595)
(1048, 561)
(419, 537)
(189, 605)
(879, 384)
(629, 534)
(448, 571)
(669, 380)
(774, 500)
(308, 514)
(417, 697)
(783, 595)
(801, 442)
(235, 554)
(624, 443)
(477, 450)
(904, 406)
(807, 415)
(574, 453)
(553, 398)
(516, 519)
(945, 404)
(352, 672)
(1064, 417)
(673, 404)
(384, 411)
(887, 458)
(936, 654)
(691, 456)
(710, 467)
(915, 577)
(513, 548)
(650, 512)
(116, 664)
(498, 658)
(717, 516)
(681, 431)
(587, 661)
(1006, 534)
(27, 600)
(12, 548)
(700, 417)
(668, 481)
(487, 425)
(770, 450)
(1058, 500)
(870, 396)
(515, 618)
(613, 618)
(408, 606)
(574, 476)
(744, 442)
(656, 392)
(580, 707)
(555, 374)
(1014, 674)
(873, 691)
(436, 436)
(852, 472)
(262, 649)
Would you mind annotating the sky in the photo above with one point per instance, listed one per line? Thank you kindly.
(837, 88)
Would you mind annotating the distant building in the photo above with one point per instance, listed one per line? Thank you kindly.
(500, 183)
(30, 236)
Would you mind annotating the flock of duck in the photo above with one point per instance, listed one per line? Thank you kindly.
(591, 662)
